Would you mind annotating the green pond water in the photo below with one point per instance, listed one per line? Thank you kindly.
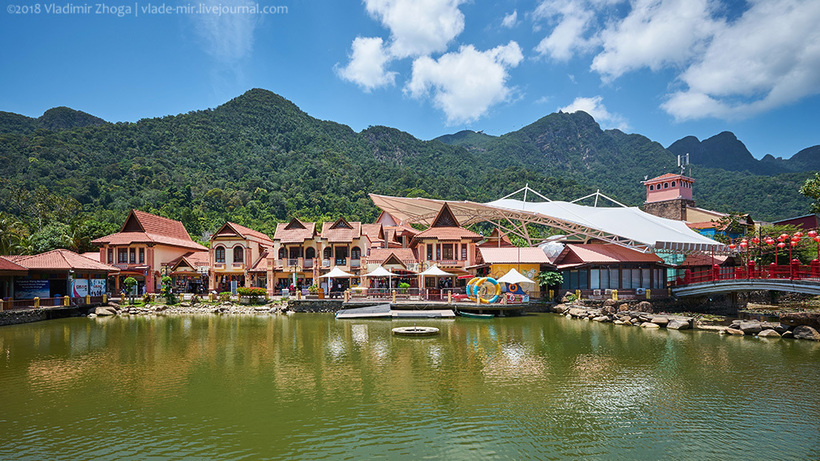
(307, 386)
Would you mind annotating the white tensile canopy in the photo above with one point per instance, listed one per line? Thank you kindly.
(513, 276)
(625, 226)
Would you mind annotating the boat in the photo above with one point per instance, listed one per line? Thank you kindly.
(415, 331)
(474, 315)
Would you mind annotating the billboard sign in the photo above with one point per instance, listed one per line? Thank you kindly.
(79, 288)
(30, 289)
(96, 287)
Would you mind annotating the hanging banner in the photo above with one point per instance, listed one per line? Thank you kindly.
(30, 289)
(96, 287)
(79, 288)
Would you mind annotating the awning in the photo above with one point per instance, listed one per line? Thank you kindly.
(336, 273)
(380, 272)
(434, 271)
(513, 276)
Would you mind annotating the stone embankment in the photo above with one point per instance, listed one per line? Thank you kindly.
(182, 308)
(642, 315)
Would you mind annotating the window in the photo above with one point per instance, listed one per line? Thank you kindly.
(132, 255)
(565, 280)
(646, 282)
(447, 251)
(110, 256)
(673, 183)
(355, 253)
(613, 278)
(594, 279)
(310, 253)
(295, 252)
(122, 256)
(282, 253)
(142, 255)
(219, 254)
(604, 278)
(651, 187)
(238, 255)
(583, 279)
(429, 252)
(327, 253)
(636, 278)
(438, 252)
(464, 252)
(666, 185)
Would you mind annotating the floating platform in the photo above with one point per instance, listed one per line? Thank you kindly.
(384, 311)
(415, 331)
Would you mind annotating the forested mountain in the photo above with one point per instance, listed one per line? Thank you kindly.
(725, 151)
(259, 159)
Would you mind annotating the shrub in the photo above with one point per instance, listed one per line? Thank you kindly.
(313, 289)
(403, 287)
(225, 296)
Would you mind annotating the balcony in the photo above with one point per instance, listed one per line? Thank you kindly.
(341, 261)
(325, 263)
(308, 263)
(355, 263)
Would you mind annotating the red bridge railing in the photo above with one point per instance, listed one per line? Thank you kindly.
(793, 271)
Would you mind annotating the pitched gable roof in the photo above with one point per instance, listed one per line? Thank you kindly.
(391, 256)
(445, 227)
(496, 239)
(386, 219)
(8, 267)
(231, 228)
(513, 255)
(142, 227)
(192, 259)
(59, 260)
(374, 232)
(294, 231)
(601, 253)
(341, 231)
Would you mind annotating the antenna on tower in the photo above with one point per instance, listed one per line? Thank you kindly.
(683, 162)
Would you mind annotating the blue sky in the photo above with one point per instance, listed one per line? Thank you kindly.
(661, 68)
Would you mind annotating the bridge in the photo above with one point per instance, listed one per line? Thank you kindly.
(793, 278)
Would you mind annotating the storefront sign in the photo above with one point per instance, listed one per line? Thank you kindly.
(79, 288)
(96, 287)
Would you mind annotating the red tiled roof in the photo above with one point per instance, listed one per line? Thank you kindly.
(294, 231)
(9, 266)
(95, 255)
(262, 261)
(492, 240)
(374, 232)
(337, 232)
(378, 255)
(512, 255)
(700, 259)
(666, 176)
(246, 232)
(193, 259)
(155, 229)
(602, 253)
(60, 260)
(447, 234)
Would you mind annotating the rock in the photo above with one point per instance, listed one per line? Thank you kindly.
(769, 333)
(624, 318)
(559, 308)
(577, 312)
(735, 324)
(780, 328)
(105, 310)
(610, 302)
(618, 322)
(794, 319)
(661, 321)
(787, 334)
(608, 310)
(650, 325)
(92, 315)
(161, 308)
(677, 324)
(645, 306)
(750, 327)
(769, 325)
(260, 309)
(636, 321)
(568, 316)
(735, 331)
(623, 307)
(806, 332)
(602, 318)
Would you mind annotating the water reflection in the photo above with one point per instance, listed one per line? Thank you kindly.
(307, 386)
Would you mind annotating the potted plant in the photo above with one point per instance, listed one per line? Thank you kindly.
(403, 287)
(251, 295)
(313, 292)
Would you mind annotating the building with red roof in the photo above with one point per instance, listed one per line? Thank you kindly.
(235, 250)
(58, 273)
(145, 245)
(8, 272)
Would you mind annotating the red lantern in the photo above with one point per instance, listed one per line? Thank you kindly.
(732, 246)
(812, 234)
(769, 241)
(817, 239)
(795, 242)
(798, 235)
(781, 245)
(755, 240)
(743, 245)
(782, 237)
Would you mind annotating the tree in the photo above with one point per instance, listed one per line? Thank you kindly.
(13, 235)
(130, 283)
(811, 189)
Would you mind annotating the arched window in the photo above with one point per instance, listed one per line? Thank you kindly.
(282, 253)
(355, 253)
(219, 254)
(238, 255)
(673, 183)
(328, 253)
(666, 185)
(310, 253)
(651, 187)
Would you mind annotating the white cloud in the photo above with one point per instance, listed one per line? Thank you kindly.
(465, 84)
(367, 64)
(418, 27)
(598, 111)
(767, 58)
(227, 37)
(655, 34)
(510, 20)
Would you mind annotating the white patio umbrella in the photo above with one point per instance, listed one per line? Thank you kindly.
(435, 271)
(513, 276)
(335, 273)
(382, 272)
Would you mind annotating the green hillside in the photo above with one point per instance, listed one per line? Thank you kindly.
(258, 159)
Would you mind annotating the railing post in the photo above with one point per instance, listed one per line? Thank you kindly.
(394, 296)
(795, 268)
(578, 294)
(715, 273)
(2, 305)
(772, 270)
(614, 295)
(105, 299)
(552, 294)
(751, 270)
(347, 295)
(648, 293)
(449, 297)
(87, 299)
(36, 302)
(66, 300)
(815, 268)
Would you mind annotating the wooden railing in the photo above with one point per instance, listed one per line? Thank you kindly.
(794, 271)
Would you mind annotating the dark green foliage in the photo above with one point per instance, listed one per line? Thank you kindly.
(258, 159)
